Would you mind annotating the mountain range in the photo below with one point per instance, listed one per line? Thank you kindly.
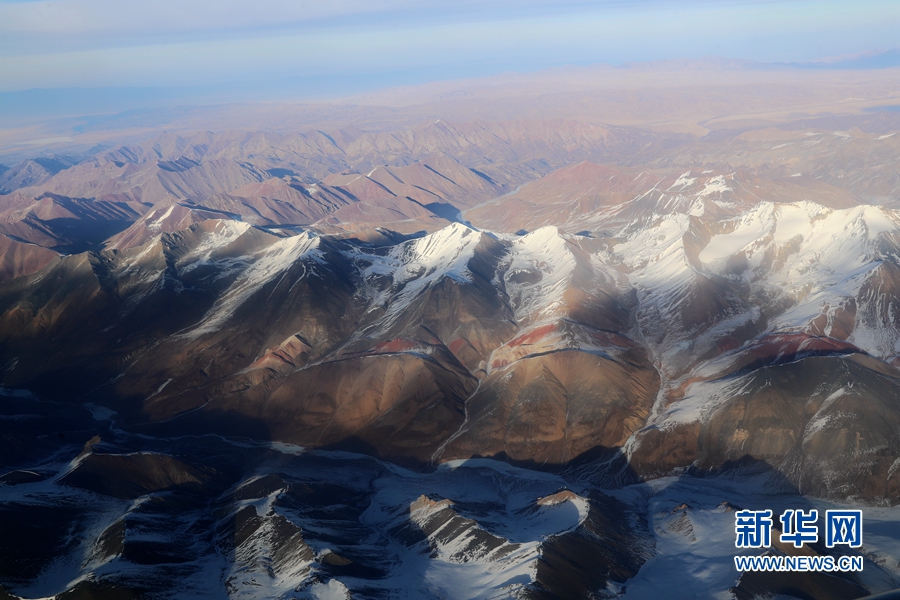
(531, 358)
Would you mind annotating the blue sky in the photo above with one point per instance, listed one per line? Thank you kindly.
(165, 43)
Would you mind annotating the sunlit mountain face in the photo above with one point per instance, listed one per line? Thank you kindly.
(515, 343)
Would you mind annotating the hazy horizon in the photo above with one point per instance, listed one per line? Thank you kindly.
(76, 66)
(41, 103)
(200, 51)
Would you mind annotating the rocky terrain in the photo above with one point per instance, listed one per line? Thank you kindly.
(473, 359)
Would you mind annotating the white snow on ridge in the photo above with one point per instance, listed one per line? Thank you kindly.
(458, 569)
(264, 266)
(416, 265)
(332, 590)
(876, 220)
(700, 401)
(161, 387)
(751, 228)
(821, 419)
(660, 269)
(225, 232)
(818, 257)
(793, 220)
(212, 249)
(539, 270)
(446, 251)
(715, 185)
(683, 181)
(156, 223)
(836, 258)
(664, 278)
(758, 227)
(657, 254)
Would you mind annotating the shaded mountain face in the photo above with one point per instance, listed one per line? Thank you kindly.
(460, 360)
(676, 340)
(31, 172)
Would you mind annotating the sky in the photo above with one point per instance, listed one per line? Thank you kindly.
(353, 45)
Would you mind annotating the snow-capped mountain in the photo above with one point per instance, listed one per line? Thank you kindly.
(441, 376)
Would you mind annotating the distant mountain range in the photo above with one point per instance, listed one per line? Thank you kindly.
(42, 103)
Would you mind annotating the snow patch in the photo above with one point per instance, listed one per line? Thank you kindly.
(538, 272)
(263, 267)
(683, 181)
(716, 185)
(160, 388)
(415, 266)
